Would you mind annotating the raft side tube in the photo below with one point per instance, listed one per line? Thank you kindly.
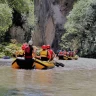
(38, 64)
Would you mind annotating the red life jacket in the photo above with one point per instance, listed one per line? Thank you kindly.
(51, 53)
(70, 54)
(27, 49)
(73, 54)
(28, 52)
(65, 53)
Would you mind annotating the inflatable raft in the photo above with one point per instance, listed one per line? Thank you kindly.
(71, 58)
(21, 63)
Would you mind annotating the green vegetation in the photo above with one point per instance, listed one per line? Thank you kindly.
(7, 7)
(81, 26)
(9, 49)
(5, 19)
(25, 8)
(21, 6)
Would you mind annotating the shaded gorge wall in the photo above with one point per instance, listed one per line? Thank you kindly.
(50, 19)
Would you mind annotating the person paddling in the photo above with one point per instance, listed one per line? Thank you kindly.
(51, 52)
(44, 54)
(28, 54)
(53, 55)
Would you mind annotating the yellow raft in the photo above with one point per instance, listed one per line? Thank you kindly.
(20, 63)
(71, 58)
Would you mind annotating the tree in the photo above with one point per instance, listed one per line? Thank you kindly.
(81, 23)
(25, 9)
(5, 19)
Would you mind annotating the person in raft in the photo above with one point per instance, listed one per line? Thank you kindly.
(44, 53)
(51, 52)
(28, 54)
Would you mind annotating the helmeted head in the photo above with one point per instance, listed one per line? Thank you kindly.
(24, 46)
(48, 47)
(44, 47)
(30, 42)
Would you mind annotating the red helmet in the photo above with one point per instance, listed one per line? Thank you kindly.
(48, 46)
(24, 46)
(43, 46)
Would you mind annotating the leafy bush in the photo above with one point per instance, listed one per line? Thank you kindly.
(9, 49)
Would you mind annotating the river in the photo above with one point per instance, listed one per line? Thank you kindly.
(76, 78)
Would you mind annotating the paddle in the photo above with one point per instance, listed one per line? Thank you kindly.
(58, 63)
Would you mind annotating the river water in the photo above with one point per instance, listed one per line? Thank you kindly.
(77, 78)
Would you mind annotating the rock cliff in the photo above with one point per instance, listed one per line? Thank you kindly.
(50, 18)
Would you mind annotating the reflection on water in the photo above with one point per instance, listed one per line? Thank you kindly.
(53, 82)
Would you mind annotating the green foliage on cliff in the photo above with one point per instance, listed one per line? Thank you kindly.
(31, 17)
(19, 5)
(80, 25)
(24, 7)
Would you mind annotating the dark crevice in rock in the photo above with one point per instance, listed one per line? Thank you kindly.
(17, 19)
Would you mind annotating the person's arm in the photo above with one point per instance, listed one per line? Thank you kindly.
(35, 56)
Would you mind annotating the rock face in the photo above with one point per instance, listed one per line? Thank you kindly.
(50, 16)
(20, 34)
(17, 33)
(20, 29)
